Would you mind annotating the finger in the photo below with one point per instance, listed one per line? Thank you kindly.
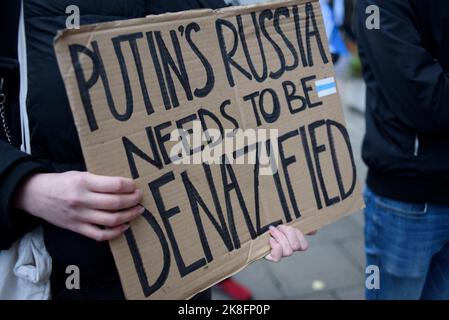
(99, 234)
(109, 219)
(276, 251)
(292, 237)
(105, 184)
(282, 239)
(113, 202)
(302, 240)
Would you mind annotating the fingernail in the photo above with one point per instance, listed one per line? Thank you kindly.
(142, 209)
(271, 228)
(126, 227)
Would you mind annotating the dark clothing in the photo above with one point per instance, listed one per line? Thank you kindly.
(406, 69)
(14, 165)
(409, 243)
(54, 140)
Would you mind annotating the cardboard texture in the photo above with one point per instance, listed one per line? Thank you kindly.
(131, 83)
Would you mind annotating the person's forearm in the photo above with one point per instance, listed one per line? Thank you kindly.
(81, 202)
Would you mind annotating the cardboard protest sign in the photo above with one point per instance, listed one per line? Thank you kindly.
(229, 121)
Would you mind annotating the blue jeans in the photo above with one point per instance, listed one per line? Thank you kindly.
(409, 242)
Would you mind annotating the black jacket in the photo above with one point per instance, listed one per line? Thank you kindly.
(406, 69)
(54, 140)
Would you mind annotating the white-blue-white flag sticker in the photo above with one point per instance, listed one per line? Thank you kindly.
(325, 87)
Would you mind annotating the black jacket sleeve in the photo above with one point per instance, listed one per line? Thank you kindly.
(15, 166)
(406, 74)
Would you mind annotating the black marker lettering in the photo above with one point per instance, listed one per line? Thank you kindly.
(308, 89)
(166, 214)
(234, 186)
(279, 189)
(277, 26)
(131, 149)
(117, 42)
(259, 228)
(313, 31)
(257, 77)
(132, 40)
(290, 95)
(226, 55)
(286, 162)
(195, 201)
(158, 69)
(305, 145)
(299, 36)
(209, 85)
(317, 149)
(273, 116)
(162, 139)
(84, 85)
(252, 97)
(267, 14)
(148, 289)
(170, 65)
(331, 123)
(226, 115)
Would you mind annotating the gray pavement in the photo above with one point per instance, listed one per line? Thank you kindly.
(333, 267)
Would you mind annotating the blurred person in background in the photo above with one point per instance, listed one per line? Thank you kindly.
(334, 18)
(406, 146)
